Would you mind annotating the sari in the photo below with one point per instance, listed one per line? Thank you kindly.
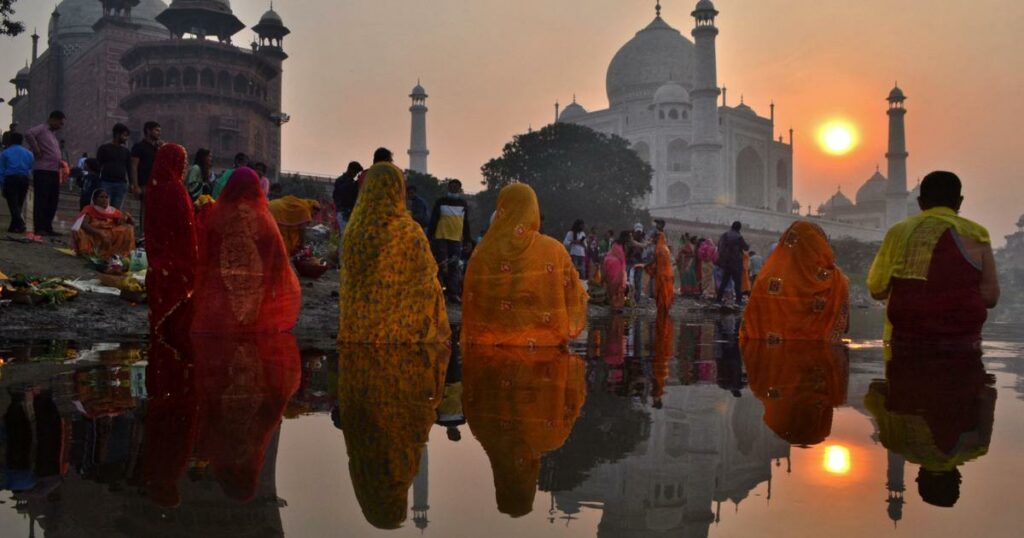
(242, 386)
(745, 287)
(171, 243)
(521, 404)
(664, 344)
(244, 281)
(686, 262)
(113, 237)
(614, 269)
(292, 214)
(707, 255)
(663, 274)
(521, 287)
(389, 291)
(387, 401)
(799, 383)
(800, 293)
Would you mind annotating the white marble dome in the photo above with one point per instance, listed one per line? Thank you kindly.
(656, 55)
(671, 93)
(873, 190)
(78, 16)
(573, 111)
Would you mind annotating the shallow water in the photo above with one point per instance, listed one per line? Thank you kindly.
(656, 429)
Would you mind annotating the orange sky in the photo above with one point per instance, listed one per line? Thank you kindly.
(494, 67)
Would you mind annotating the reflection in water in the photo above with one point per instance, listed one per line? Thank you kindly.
(115, 433)
(936, 409)
(661, 471)
(387, 399)
(520, 404)
(799, 382)
(837, 459)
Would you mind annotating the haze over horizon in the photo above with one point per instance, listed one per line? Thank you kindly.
(495, 68)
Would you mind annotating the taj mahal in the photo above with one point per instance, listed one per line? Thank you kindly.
(714, 163)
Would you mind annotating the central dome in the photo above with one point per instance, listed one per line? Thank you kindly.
(656, 55)
(78, 16)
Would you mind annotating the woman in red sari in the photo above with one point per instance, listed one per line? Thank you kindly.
(102, 230)
(171, 245)
(614, 269)
(244, 282)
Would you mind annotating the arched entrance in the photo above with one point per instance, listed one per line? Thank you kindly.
(749, 179)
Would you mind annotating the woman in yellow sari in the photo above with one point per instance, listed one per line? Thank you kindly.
(521, 288)
(800, 293)
(292, 215)
(389, 290)
(102, 229)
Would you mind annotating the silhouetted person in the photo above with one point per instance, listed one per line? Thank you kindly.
(730, 258)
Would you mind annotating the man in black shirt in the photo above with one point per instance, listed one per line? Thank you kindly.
(346, 191)
(730, 258)
(143, 155)
(114, 160)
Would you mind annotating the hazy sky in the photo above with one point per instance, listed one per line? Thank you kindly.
(494, 67)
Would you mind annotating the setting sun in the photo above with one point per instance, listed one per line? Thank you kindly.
(837, 137)
(837, 459)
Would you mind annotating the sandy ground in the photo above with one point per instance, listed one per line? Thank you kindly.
(99, 317)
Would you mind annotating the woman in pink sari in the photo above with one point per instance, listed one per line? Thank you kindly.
(615, 272)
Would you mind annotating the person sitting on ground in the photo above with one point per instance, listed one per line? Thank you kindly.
(936, 269)
(293, 215)
(103, 230)
(801, 293)
(241, 161)
(389, 292)
(521, 286)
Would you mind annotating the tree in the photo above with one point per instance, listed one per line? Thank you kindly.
(577, 173)
(427, 186)
(8, 26)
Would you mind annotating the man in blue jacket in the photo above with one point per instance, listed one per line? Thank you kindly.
(15, 167)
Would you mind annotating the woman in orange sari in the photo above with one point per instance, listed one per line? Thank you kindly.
(102, 230)
(389, 290)
(171, 243)
(521, 288)
(292, 215)
(800, 293)
(244, 281)
(663, 274)
(614, 269)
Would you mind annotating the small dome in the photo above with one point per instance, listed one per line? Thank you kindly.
(705, 5)
(75, 18)
(743, 107)
(873, 190)
(838, 200)
(24, 72)
(572, 112)
(896, 95)
(671, 93)
(271, 17)
(418, 91)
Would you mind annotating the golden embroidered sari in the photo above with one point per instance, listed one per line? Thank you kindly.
(389, 290)
(800, 293)
(521, 288)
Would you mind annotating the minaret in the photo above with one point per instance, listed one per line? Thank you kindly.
(707, 139)
(896, 192)
(35, 46)
(420, 491)
(418, 140)
(895, 485)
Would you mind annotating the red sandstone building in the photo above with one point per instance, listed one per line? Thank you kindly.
(132, 61)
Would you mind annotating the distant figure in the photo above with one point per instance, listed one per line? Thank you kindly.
(115, 158)
(90, 182)
(417, 206)
(293, 215)
(756, 263)
(143, 157)
(276, 191)
(200, 174)
(81, 161)
(575, 243)
(102, 229)
(42, 141)
(346, 192)
(261, 169)
(15, 168)
(731, 247)
(449, 231)
(707, 255)
(686, 265)
(389, 291)
(801, 294)
(241, 161)
(615, 269)
(244, 282)
(936, 269)
(521, 286)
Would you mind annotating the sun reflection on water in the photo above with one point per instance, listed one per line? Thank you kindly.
(837, 459)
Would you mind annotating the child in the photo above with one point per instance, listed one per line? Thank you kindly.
(90, 182)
